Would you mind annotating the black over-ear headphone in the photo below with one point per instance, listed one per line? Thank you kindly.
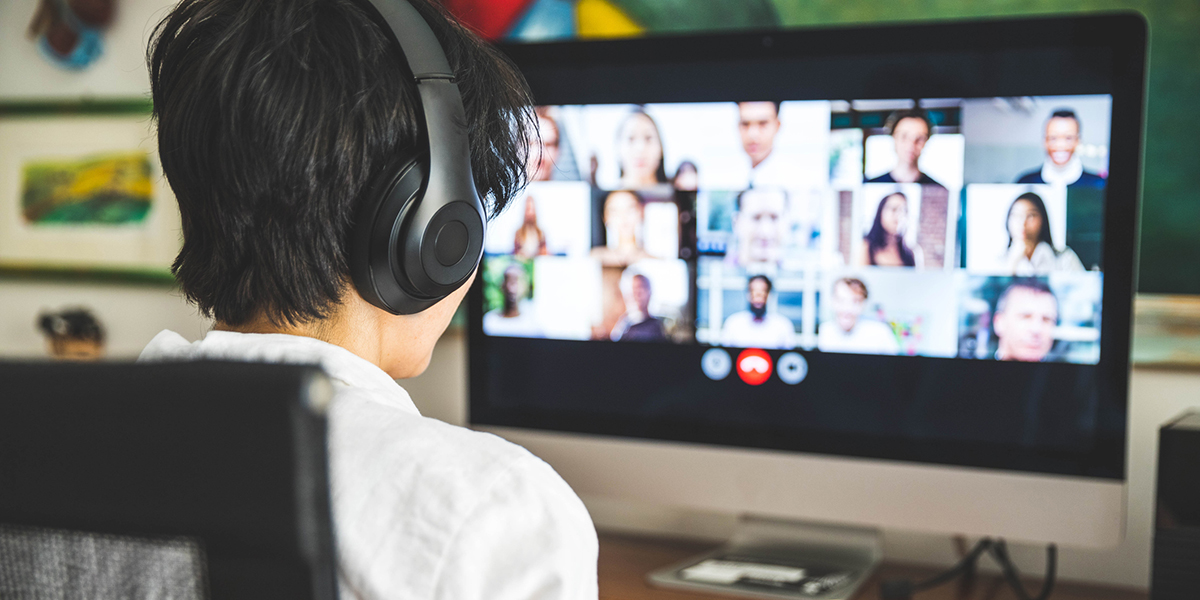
(418, 233)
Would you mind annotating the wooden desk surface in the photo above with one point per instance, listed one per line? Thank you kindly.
(625, 561)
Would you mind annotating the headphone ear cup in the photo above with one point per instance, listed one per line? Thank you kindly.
(376, 248)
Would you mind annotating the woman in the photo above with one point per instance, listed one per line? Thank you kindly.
(623, 217)
(1030, 247)
(640, 152)
(884, 244)
(530, 240)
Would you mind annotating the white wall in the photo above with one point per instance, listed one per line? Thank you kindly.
(120, 73)
(1155, 397)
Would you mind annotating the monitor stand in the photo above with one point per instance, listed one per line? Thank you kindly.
(781, 559)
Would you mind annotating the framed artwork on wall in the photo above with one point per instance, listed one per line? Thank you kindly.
(82, 193)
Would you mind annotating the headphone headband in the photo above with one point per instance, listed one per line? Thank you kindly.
(420, 231)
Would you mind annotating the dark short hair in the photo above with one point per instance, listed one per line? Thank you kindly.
(764, 279)
(856, 285)
(71, 324)
(908, 113)
(1066, 113)
(273, 115)
(1030, 284)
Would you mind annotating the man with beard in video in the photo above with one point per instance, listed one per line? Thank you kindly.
(754, 328)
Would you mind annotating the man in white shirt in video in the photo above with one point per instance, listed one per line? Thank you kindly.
(1026, 315)
(849, 332)
(516, 317)
(754, 328)
(758, 124)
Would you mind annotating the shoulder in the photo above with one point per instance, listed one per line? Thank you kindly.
(413, 496)
(885, 178)
(1089, 179)
(737, 318)
(1034, 176)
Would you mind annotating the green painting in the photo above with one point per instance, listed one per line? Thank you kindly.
(107, 189)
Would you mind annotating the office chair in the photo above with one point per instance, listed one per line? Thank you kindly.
(169, 480)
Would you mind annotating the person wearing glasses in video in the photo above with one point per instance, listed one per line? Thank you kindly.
(1063, 166)
(1026, 315)
(910, 130)
(755, 327)
(758, 124)
(849, 332)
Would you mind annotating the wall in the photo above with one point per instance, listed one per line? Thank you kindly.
(1155, 397)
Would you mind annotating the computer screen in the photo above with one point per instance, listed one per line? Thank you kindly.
(908, 244)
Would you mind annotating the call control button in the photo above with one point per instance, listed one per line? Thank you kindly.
(754, 366)
(792, 368)
(716, 364)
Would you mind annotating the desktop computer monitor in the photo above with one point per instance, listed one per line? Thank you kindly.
(872, 275)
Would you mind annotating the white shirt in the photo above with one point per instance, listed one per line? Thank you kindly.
(866, 337)
(773, 331)
(774, 172)
(1043, 262)
(423, 509)
(1064, 175)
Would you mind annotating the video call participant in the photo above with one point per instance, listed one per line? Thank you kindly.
(516, 317)
(884, 244)
(421, 508)
(1062, 166)
(637, 324)
(640, 152)
(910, 131)
(1026, 315)
(849, 332)
(1030, 248)
(687, 178)
(760, 228)
(758, 124)
(623, 230)
(754, 328)
(543, 148)
(530, 240)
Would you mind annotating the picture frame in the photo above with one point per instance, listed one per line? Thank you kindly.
(82, 194)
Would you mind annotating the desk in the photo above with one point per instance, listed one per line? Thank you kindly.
(625, 561)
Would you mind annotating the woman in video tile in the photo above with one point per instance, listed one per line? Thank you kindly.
(623, 230)
(884, 243)
(1030, 247)
(530, 240)
(640, 152)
